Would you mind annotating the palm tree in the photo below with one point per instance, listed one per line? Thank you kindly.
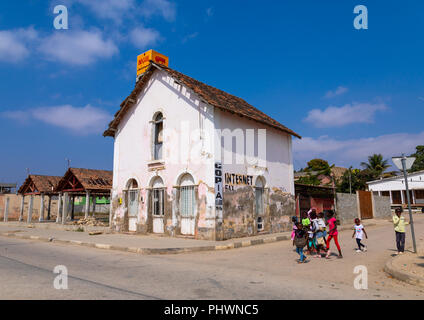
(376, 164)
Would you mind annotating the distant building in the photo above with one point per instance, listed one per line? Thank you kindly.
(78, 183)
(336, 172)
(7, 187)
(37, 186)
(308, 196)
(394, 188)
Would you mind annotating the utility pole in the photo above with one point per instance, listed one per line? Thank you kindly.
(334, 191)
(405, 163)
(69, 163)
(350, 181)
(411, 221)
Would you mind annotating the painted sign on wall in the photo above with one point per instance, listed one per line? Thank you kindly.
(232, 180)
(218, 190)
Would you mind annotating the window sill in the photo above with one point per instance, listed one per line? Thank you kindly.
(156, 161)
(156, 164)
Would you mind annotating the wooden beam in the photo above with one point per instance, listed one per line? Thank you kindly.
(74, 190)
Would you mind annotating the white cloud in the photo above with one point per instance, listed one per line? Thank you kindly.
(347, 114)
(77, 47)
(14, 44)
(142, 37)
(353, 151)
(83, 47)
(115, 10)
(84, 120)
(339, 91)
(164, 8)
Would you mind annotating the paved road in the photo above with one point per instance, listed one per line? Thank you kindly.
(261, 272)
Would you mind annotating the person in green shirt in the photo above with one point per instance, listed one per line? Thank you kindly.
(306, 222)
(399, 224)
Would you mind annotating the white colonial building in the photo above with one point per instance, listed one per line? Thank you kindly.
(395, 188)
(190, 159)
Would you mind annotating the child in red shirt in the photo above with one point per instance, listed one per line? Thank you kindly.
(333, 234)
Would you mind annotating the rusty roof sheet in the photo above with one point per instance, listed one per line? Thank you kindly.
(90, 179)
(43, 184)
(94, 179)
(212, 96)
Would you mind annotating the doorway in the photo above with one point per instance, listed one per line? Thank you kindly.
(365, 204)
(187, 205)
(158, 205)
(132, 201)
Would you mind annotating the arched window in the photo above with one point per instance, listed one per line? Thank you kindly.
(259, 202)
(158, 136)
(158, 191)
(187, 196)
(132, 184)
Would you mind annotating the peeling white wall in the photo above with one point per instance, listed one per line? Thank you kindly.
(275, 165)
(183, 150)
(184, 117)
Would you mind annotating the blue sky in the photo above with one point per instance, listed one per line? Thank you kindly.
(348, 92)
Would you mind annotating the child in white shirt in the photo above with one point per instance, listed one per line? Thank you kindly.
(358, 233)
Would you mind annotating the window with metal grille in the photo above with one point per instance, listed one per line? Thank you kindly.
(158, 202)
(259, 201)
(187, 201)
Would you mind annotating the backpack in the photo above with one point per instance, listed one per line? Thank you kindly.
(300, 242)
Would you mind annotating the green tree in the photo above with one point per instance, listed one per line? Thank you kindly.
(309, 179)
(419, 161)
(316, 168)
(318, 165)
(376, 164)
(357, 180)
(365, 176)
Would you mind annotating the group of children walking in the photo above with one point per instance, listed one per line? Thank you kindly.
(311, 232)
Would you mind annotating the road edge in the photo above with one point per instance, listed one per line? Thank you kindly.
(152, 251)
(400, 275)
(240, 243)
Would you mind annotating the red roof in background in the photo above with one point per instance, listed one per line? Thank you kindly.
(87, 179)
(41, 184)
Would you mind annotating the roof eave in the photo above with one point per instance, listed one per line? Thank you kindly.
(128, 102)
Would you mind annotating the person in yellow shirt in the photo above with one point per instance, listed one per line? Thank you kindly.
(399, 224)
